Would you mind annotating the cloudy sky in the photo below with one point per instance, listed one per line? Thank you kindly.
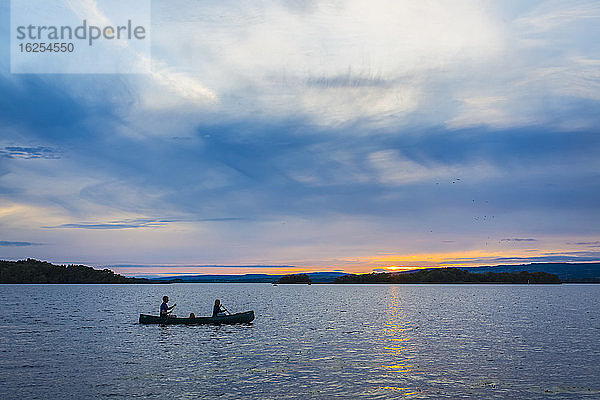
(324, 135)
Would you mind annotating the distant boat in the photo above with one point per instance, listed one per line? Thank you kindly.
(238, 318)
(274, 284)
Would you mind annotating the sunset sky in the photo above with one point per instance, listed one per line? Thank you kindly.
(318, 135)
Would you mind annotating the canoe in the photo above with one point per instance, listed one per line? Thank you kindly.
(238, 318)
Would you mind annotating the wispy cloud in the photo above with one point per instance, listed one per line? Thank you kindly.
(518, 240)
(29, 152)
(137, 223)
(110, 225)
(556, 13)
(18, 244)
(583, 256)
(588, 244)
(185, 87)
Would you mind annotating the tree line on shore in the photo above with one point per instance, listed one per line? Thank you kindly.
(451, 275)
(34, 271)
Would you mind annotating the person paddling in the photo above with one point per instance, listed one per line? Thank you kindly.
(165, 310)
(218, 309)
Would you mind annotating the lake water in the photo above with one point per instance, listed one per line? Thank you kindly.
(318, 341)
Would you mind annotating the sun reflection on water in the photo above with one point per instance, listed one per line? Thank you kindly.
(397, 336)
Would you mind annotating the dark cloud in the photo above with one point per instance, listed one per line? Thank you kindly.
(265, 170)
(31, 102)
(518, 240)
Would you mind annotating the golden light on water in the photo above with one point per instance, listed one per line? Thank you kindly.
(405, 391)
(397, 337)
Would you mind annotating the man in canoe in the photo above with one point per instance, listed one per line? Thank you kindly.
(218, 309)
(165, 310)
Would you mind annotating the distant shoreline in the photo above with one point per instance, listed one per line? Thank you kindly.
(32, 271)
(314, 284)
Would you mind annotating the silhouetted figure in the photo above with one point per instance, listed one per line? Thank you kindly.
(165, 310)
(218, 309)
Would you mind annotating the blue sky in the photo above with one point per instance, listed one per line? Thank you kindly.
(325, 135)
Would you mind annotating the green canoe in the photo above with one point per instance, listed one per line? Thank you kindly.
(238, 318)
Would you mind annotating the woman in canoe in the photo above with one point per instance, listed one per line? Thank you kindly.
(218, 309)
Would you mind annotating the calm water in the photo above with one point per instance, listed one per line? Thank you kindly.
(319, 341)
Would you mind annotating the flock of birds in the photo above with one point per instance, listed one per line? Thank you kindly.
(476, 218)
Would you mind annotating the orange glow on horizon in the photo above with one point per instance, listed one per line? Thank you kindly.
(399, 268)
(406, 262)
(390, 262)
(435, 259)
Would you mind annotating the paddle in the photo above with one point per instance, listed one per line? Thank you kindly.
(225, 309)
(171, 310)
